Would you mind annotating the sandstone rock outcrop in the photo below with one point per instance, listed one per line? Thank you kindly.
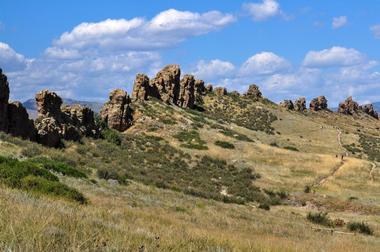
(167, 84)
(254, 91)
(220, 91)
(117, 112)
(55, 123)
(300, 104)
(287, 104)
(141, 88)
(209, 88)
(4, 97)
(186, 97)
(200, 91)
(370, 110)
(14, 118)
(319, 103)
(348, 107)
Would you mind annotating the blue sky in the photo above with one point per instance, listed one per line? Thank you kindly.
(83, 49)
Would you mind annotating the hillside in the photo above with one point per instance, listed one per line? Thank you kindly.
(289, 153)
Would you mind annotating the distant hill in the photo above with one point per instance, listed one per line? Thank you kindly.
(31, 105)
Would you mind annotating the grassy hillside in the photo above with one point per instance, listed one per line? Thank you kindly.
(242, 175)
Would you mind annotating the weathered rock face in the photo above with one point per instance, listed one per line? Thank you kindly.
(235, 93)
(348, 107)
(18, 122)
(48, 104)
(200, 91)
(81, 118)
(220, 91)
(254, 91)
(186, 98)
(209, 88)
(300, 104)
(141, 88)
(319, 103)
(4, 97)
(55, 123)
(167, 83)
(370, 110)
(117, 112)
(287, 104)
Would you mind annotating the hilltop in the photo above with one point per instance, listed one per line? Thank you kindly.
(180, 165)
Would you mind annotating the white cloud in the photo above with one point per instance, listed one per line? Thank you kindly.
(333, 57)
(375, 29)
(166, 29)
(264, 10)
(339, 22)
(214, 69)
(10, 60)
(264, 63)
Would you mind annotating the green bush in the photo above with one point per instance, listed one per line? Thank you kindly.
(291, 148)
(225, 145)
(360, 227)
(264, 206)
(105, 174)
(59, 167)
(112, 136)
(54, 188)
(191, 140)
(319, 218)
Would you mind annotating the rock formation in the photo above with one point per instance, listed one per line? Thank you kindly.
(167, 83)
(55, 123)
(254, 91)
(370, 110)
(186, 97)
(300, 104)
(319, 103)
(287, 104)
(348, 107)
(220, 91)
(141, 88)
(4, 97)
(209, 88)
(117, 112)
(14, 118)
(200, 91)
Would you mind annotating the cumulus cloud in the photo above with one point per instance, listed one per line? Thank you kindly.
(375, 29)
(214, 69)
(333, 57)
(166, 29)
(10, 59)
(264, 63)
(339, 22)
(264, 10)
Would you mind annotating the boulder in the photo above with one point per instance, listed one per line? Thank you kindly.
(48, 131)
(186, 97)
(48, 104)
(300, 104)
(19, 124)
(4, 97)
(167, 84)
(319, 103)
(254, 91)
(370, 110)
(200, 91)
(117, 112)
(220, 91)
(348, 107)
(209, 88)
(141, 88)
(287, 104)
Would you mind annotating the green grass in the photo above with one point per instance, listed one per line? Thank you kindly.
(231, 133)
(59, 167)
(111, 136)
(191, 140)
(319, 218)
(371, 146)
(31, 176)
(224, 144)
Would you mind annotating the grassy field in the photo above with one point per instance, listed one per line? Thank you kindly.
(182, 180)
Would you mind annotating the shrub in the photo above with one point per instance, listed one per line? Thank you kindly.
(291, 148)
(264, 206)
(59, 167)
(112, 136)
(319, 218)
(105, 174)
(191, 140)
(360, 227)
(225, 145)
(31, 151)
(54, 188)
